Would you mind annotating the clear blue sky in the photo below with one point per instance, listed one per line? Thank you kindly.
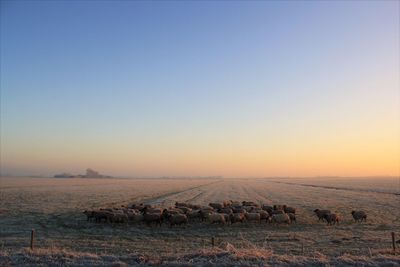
(180, 88)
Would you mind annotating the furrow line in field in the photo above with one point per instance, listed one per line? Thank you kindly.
(338, 188)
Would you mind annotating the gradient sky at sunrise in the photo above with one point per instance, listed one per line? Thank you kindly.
(200, 88)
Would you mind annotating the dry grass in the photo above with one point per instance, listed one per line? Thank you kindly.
(228, 255)
(53, 207)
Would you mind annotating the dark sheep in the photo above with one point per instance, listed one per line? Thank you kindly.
(177, 219)
(237, 217)
(152, 218)
(292, 217)
(289, 209)
(216, 205)
(321, 214)
(89, 214)
(331, 218)
(359, 215)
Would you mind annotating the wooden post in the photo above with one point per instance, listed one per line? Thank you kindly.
(32, 238)
(302, 248)
(393, 242)
(212, 241)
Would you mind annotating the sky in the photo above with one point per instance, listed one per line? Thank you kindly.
(233, 89)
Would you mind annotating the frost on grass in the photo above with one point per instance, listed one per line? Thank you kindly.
(219, 256)
(54, 207)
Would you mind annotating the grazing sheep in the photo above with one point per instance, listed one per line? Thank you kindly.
(167, 213)
(184, 210)
(227, 203)
(101, 215)
(204, 213)
(280, 218)
(235, 203)
(137, 206)
(194, 207)
(268, 208)
(153, 210)
(152, 218)
(237, 217)
(194, 215)
(226, 217)
(289, 209)
(89, 214)
(359, 215)
(331, 218)
(321, 213)
(292, 217)
(181, 204)
(216, 205)
(249, 203)
(253, 217)
(217, 218)
(177, 219)
(137, 217)
(263, 215)
(225, 210)
(119, 218)
(248, 208)
(277, 212)
(238, 210)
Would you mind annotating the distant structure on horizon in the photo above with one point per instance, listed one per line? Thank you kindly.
(90, 173)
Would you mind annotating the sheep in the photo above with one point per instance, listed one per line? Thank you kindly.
(101, 215)
(237, 217)
(238, 210)
(289, 209)
(137, 217)
(137, 206)
(321, 213)
(152, 210)
(204, 213)
(248, 208)
(235, 203)
(227, 203)
(331, 218)
(89, 214)
(194, 215)
(194, 206)
(167, 213)
(280, 218)
(292, 217)
(150, 218)
(119, 218)
(278, 207)
(359, 215)
(216, 205)
(181, 204)
(249, 203)
(225, 210)
(217, 218)
(277, 212)
(263, 215)
(184, 210)
(253, 217)
(177, 219)
(268, 208)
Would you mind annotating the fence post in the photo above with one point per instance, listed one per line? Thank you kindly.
(393, 242)
(212, 241)
(32, 238)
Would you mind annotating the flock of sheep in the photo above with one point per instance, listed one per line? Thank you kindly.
(228, 212)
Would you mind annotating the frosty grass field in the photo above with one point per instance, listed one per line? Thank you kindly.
(53, 207)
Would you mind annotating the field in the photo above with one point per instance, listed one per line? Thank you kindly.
(53, 207)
